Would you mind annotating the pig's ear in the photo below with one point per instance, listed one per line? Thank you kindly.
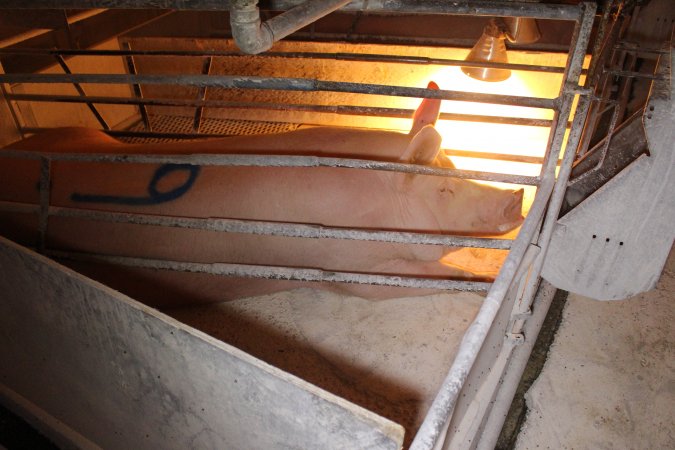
(423, 147)
(427, 113)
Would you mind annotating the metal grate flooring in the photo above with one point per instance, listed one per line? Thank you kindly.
(225, 127)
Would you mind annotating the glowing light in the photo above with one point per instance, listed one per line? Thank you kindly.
(530, 141)
(489, 137)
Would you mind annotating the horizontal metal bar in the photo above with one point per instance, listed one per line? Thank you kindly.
(281, 229)
(632, 74)
(365, 38)
(262, 227)
(180, 136)
(484, 8)
(287, 84)
(358, 57)
(634, 47)
(148, 134)
(495, 156)
(273, 161)
(277, 273)
(333, 109)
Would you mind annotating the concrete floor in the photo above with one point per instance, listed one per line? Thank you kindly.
(609, 380)
(389, 356)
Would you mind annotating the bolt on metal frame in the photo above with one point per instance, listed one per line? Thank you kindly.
(512, 292)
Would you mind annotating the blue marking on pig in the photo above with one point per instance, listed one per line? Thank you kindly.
(154, 196)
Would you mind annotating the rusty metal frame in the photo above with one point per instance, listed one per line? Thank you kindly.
(511, 295)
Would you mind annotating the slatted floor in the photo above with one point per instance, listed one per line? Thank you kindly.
(225, 127)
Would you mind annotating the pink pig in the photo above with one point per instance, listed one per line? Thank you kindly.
(334, 197)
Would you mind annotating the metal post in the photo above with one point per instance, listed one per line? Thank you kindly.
(275, 161)
(45, 194)
(82, 94)
(330, 109)
(138, 93)
(201, 96)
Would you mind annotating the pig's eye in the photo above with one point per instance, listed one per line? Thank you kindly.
(446, 190)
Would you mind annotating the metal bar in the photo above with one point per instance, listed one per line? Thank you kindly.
(333, 109)
(438, 416)
(274, 161)
(138, 92)
(633, 47)
(82, 94)
(354, 57)
(434, 426)
(580, 38)
(201, 96)
(281, 229)
(286, 229)
(487, 8)
(496, 156)
(406, 40)
(263, 228)
(277, 273)
(287, 84)
(10, 106)
(45, 194)
(550, 219)
(178, 136)
(632, 74)
(600, 41)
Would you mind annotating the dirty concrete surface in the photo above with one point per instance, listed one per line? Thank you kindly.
(609, 381)
(389, 356)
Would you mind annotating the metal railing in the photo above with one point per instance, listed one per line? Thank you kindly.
(518, 276)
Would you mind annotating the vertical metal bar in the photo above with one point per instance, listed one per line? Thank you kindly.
(580, 38)
(10, 105)
(600, 41)
(206, 70)
(432, 433)
(138, 93)
(81, 92)
(45, 194)
(557, 197)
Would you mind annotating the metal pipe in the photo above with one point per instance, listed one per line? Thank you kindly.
(83, 94)
(330, 109)
(432, 431)
(437, 419)
(254, 36)
(201, 96)
(277, 272)
(283, 84)
(490, 435)
(45, 194)
(281, 229)
(570, 87)
(465, 7)
(274, 161)
(516, 366)
(359, 57)
(286, 229)
(136, 88)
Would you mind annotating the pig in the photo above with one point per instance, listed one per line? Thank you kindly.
(334, 197)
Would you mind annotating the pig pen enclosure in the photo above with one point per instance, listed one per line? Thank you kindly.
(429, 362)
